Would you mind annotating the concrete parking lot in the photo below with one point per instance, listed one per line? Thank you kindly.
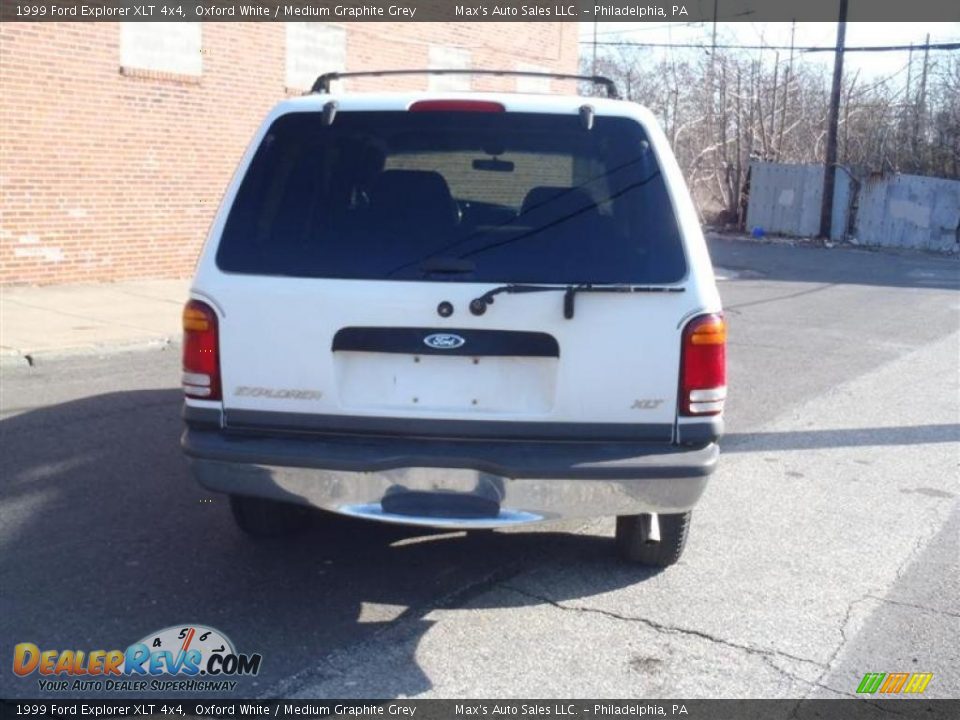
(826, 546)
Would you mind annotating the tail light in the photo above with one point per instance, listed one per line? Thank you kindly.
(201, 357)
(703, 366)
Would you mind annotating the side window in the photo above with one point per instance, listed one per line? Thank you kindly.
(161, 47)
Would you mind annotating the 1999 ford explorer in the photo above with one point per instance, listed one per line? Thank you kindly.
(457, 310)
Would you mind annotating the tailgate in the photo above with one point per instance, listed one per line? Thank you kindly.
(356, 350)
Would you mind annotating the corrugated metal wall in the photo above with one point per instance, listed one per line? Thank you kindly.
(892, 210)
(909, 211)
(785, 199)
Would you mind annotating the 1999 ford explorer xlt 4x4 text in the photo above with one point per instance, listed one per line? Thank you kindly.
(459, 311)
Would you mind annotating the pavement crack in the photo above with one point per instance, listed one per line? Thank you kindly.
(847, 615)
(918, 547)
(915, 606)
(668, 629)
(766, 656)
(777, 298)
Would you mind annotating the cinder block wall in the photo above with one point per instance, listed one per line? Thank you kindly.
(111, 173)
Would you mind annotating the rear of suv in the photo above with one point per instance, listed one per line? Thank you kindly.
(459, 311)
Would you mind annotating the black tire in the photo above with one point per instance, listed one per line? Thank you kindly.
(633, 547)
(268, 518)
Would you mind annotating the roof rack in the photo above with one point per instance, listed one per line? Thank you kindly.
(322, 83)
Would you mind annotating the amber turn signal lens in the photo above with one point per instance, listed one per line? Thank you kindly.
(712, 332)
(195, 319)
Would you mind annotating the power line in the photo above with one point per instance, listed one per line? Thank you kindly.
(807, 49)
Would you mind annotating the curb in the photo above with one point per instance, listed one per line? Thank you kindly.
(25, 358)
(13, 359)
(819, 244)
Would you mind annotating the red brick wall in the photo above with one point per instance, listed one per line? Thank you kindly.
(107, 175)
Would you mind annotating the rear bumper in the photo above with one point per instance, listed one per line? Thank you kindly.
(453, 483)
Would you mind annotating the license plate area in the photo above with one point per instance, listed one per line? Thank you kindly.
(436, 383)
(445, 371)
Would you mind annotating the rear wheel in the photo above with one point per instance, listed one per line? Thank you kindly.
(268, 518)
(635, 544)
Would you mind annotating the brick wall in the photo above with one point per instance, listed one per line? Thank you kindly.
(110, 173)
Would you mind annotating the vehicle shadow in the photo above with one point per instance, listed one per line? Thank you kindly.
(841, 437)
(106, 538)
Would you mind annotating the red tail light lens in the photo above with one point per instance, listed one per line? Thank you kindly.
(201, 356)
(456, 106)
(703, 369)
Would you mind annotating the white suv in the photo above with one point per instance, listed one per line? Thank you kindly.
(457, 310)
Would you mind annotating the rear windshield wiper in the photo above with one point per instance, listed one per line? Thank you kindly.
(478, 306)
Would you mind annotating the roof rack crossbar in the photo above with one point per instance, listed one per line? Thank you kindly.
(322, 83)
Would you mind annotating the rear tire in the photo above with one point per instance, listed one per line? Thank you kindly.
(632, 545)
(268, 518)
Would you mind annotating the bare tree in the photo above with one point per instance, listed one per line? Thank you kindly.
(723, 110)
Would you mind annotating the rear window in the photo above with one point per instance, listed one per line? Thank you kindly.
(477, 197)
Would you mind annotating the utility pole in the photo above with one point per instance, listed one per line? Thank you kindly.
(830, 167)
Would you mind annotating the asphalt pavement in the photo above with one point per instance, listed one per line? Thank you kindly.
(825, 547)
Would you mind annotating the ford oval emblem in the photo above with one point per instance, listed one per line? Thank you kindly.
(444, 341)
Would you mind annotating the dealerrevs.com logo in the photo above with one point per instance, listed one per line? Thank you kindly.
(185, 658)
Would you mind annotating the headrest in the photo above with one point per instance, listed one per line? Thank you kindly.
(420, 195)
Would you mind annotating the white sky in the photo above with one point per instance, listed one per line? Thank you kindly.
(870, 65)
